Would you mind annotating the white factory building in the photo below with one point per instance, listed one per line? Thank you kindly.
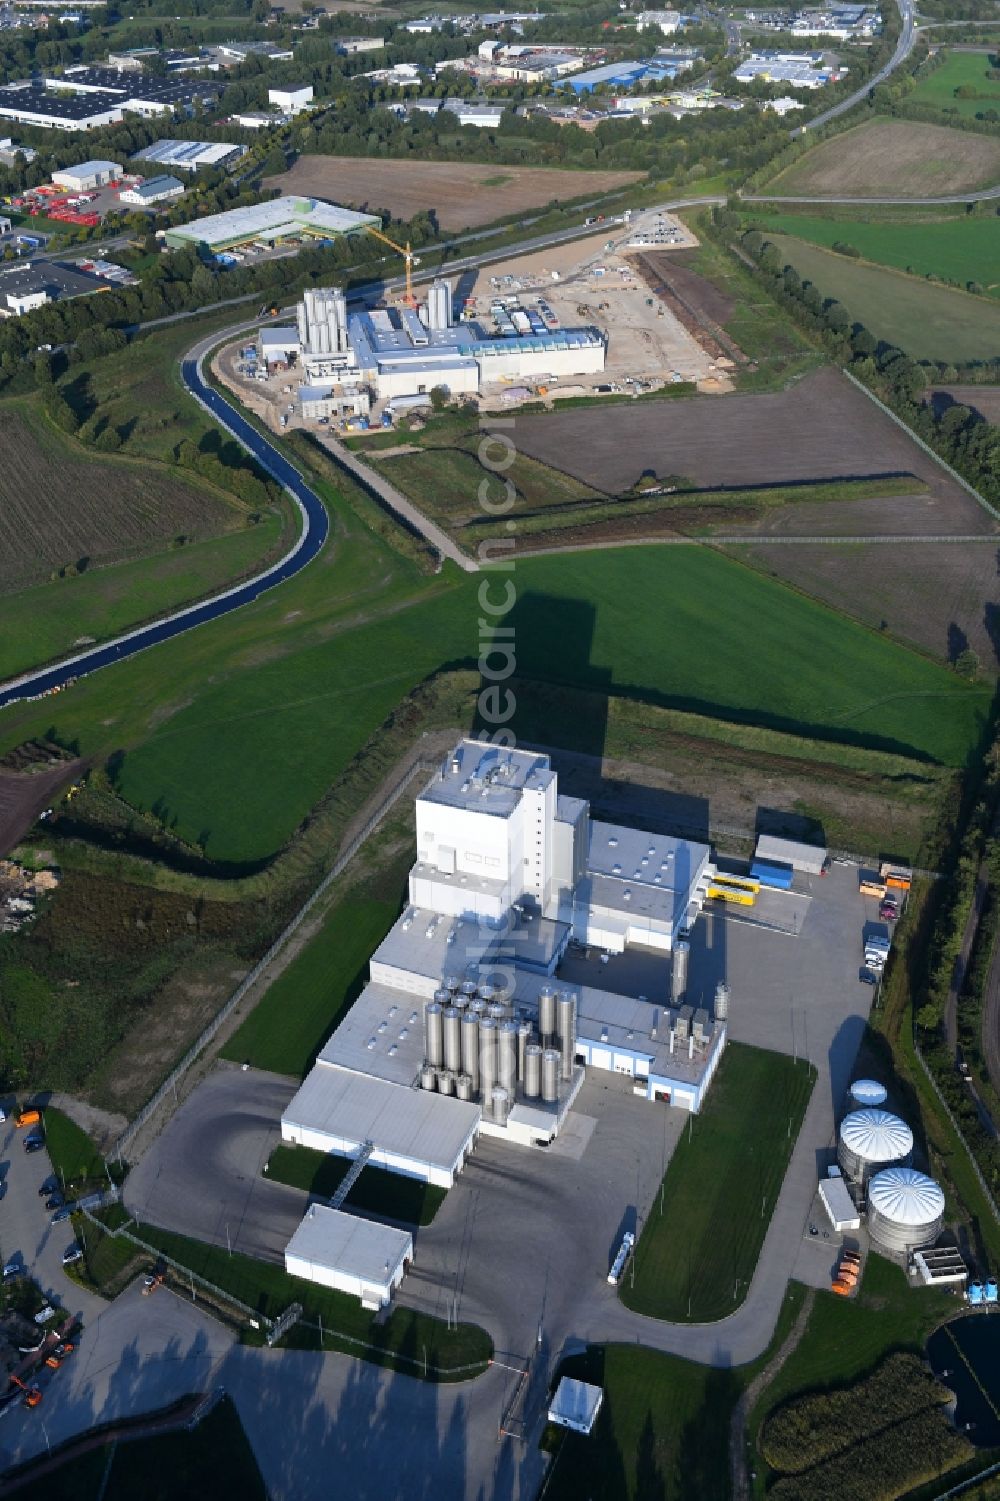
(404, 352)
(87, 175)
(491, 993)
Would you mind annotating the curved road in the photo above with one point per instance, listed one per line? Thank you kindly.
(315, 527)
(904, 46)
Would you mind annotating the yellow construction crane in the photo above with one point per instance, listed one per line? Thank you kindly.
(408, 256)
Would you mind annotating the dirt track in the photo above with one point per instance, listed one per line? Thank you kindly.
(23, 796)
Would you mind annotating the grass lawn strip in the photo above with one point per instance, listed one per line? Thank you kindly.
(958, 249)
(968, 70)
(73, 1155)
(696, 1261)
(927, 321)
(377, 1192)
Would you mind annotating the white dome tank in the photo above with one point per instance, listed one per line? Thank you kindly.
(905, 1209)
(868, 1094)
(870, 1140)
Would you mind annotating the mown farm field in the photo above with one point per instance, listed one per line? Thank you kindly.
(58, 505)
(961, 250)
(928, 322)
(960, 70)
(893, 158)
(463, 195)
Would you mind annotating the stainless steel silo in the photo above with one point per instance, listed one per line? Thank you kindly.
(470, 1047)
(428, 1077)
(433, 1035)
(547, 1014)
(452, 1039)
(501, 1102)
(721, 1001)
(905, 1209)
(532, 1071)
(507, 1056)
(463, 1087)
(523, 1038)
(679, 970)
(446, 1081)
(550, 1075)
(442, 996)
(487, 992)
(497, 1010)
(468, 988)
(566, 1025)
(487, 1058)
(451, 983)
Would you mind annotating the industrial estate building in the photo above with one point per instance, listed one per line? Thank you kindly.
(282, 219)
(467, 1026)
(86, 98)
(348, 360)
(798, 70)
(87, 175)
(188, 156)
(153, 190)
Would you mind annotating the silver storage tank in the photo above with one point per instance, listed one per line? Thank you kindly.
(451, 982)
(470, 1048)
(905, 1209)
(867, 1094)
(452, 1039)
(463, 1087)
(532, 1071)
(566, 1026)
(721, 1001)
(459, 1002)
(501, 1104)
(497, 1010)
(507, 1056)
(870, 1140)
(428, 1077)
(487, 1058)
(468, 988)
(679, 971)
(443, 996)
(446, 1081)
(478, 1006)
(547, 1013)
(550, 1075)
(487, 992)
(433, 1034)
(523, 1038)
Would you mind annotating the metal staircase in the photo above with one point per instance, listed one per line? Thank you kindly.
(352, 1175)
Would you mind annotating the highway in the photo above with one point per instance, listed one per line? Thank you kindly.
(904, 46)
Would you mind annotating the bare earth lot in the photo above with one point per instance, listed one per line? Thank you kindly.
(919, 590)
(23, 796)
(57, 505)
(819, 429)
(463, 195)
(898, 158)
(982, 399)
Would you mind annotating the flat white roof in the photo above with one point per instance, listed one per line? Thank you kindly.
(575, 1404)
(793, 852)
(415, 1123)
(344, 1243)
(838, 1203)
(485, 778)
(381, 1035)
(279, 214)
(88, 169)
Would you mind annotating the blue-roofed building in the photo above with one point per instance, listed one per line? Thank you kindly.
(623, 75)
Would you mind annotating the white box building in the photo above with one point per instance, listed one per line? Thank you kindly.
(87, 175)
(353, 1255)
(291, 100)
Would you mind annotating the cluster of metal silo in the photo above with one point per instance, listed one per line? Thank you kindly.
(475, 1047)
(870, 1140)
(322, 321)
(439, 305)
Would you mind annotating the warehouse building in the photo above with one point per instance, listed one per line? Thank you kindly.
(188, 156)
(280, 220)
(291, 101)
(355, 1256)
(87, 175)
(85, 98)
(797, 70)
(153, 190)
(468, 1026)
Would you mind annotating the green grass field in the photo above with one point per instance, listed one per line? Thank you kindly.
(377, 1192)
(696, 1258)
(961, 250)
(72, 1153)
(927, 321)
(262, 710)
(289, 1025)
(960, 70)
(40, 624)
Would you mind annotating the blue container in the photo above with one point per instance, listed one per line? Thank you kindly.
(990, 1292)
(769, 874)
(975, 1293)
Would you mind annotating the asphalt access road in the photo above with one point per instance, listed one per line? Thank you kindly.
(904, 46)
(202, 1176)
(315, 527)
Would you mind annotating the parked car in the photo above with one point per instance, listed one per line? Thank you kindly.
(12, 1268)
(49, 1186)
(73, 1253)
(888, 911)
(33, 1143)
(55, 1202)
(33, 1397)
(44, 1314)
(867, 977)
(63, 1213)
(151, 1283)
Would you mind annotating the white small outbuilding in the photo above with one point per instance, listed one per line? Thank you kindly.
(353, 1255)
(808, 857)
(841, 1210)
(575, 1405)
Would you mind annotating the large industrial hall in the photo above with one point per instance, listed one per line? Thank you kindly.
(467, 1025)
